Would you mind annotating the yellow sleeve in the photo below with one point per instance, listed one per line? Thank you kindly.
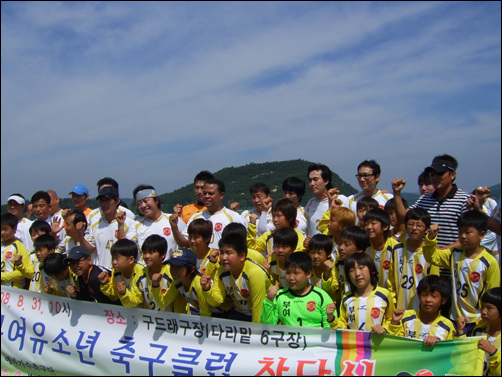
(392, 284)
(181, 305)
(133, 297)
(252, 233)
(301, 240)
(259, 244)
(110, 289)
(323, 223)
(493, 275)
(258, 285)
(330, 286)
(204, 307)
(342, 319)
(397, 330)
(256, 256)
(24, 270)
(494, 364)
(165, 299)
(215, 296)
(432, 254)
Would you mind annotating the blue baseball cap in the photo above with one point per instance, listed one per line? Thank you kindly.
(182, 257)
(76, 253)
(79, 190)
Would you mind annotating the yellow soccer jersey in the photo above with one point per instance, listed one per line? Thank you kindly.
(492, 363)
(412, 327)
(12, 275)
(470, 277)
(144, 285)
(407, 269)
(40, 279)
(382, 260)
(362, 313)
(329, 286)
(265, 243)
(132, 297)
(247, 291)
(59, 286)
(193, 296)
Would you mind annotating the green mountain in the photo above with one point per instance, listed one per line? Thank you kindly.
(238, 179)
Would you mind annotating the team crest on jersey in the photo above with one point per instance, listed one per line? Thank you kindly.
(116, 234)
(297, 223)
(419, 268)
(167, 231)
(386, 264)
(311, 306)
(196, 303)
(475, 276)
(375, 312)
(218, 227)
(163, 290)
(244, 292)
(8, 255)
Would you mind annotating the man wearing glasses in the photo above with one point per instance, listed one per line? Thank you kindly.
(79, 260)
(368, 176)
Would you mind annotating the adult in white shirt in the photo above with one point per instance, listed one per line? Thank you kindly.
(220, 216)
(368, 176)
(16, 204)
(112, 225)
(319, 183)
(262, 203)
(153, 221)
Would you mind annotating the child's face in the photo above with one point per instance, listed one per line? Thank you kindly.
(361, 211)
(334, 226)
(279, 220)
(197, 243)
(425, 188)
(42, 252)
(63, 275)
(282, 252)
(347, 248)
(80, 267)
(416, 230)
(489, 313)
(35, 234)
(178, 272)
(470, 237)
(230, 259)
(7, 233)
(318, 257)
(360, 276)
(393, 217)
(293, 196)
(375, 229)
(297, 279)
(152, 258)
(41, 209)
(121, 263)
(430, 302)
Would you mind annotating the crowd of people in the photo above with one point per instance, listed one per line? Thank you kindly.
(366, 262)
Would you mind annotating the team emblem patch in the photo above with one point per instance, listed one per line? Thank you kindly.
(419, 268)
(424, 372)
(163, 290)
(375, 312)
(386, 264)
(311, 306)
(167, 231)
(8, 255)
(116, 234)
(475, 276)
(297, 223)
(218, 227)
(244, 293)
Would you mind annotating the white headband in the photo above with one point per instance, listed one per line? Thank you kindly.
(146, 193)
(17, 199)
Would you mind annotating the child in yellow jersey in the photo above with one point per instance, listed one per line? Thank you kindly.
(365, 204)
(16, 263)
(239, 228)
(333, 222)
(60, 274)
(408, 265)
(125, 275)
(285, 242)
(353, 240)
(473, 269)
(238, 278)
(377, 224)
(366, 307)
(283, 216)
(397, 228)
(154, 251)
(44, 246)
(186, 283)
(200, 232)
(488, 326)
(426, 323)
(323, 276)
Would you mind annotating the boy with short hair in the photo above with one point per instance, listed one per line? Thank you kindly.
(293, 188)
(300, 303)
(473, 269)
(60, 274)
(39, 227)
(154, 250)
(88, 284)
(16, 263)
(285, 243)
(377, 224)
(396, 227)
(44, 246)
(425, 323)
(323, 275)
(363, 205)
(200, 232)
(125, 274)
(408, 265)
(244, 281)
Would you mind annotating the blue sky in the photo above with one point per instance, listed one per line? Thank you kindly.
(155, 92)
